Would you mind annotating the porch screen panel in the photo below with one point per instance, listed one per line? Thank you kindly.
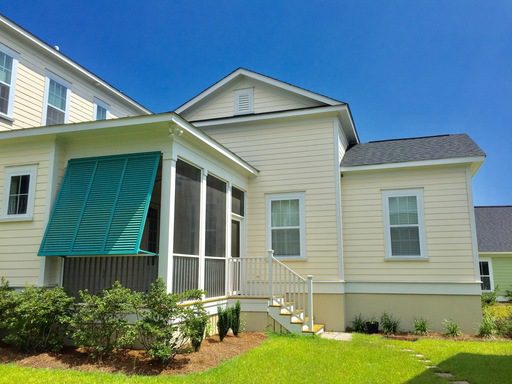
(215, 277)
(186, 274)
(102, 206)
(215, 217)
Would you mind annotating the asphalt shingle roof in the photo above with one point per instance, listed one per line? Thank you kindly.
(413, 149)
(494, 228)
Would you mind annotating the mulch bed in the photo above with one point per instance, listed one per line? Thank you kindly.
(135, 362)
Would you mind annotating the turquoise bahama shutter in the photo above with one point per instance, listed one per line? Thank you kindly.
(102, 206)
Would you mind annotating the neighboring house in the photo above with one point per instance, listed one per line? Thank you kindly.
(494, 230)
(198, 196)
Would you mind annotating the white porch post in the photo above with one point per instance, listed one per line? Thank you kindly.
(310, 302)
(202, 229)
(165, 263)
(271, 275)
(228, 273)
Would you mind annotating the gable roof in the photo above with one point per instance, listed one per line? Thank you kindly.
(239, 72)
(68, 62)
(494, 228)
(412, 150)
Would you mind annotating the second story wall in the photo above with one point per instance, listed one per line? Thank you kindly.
(25, 73)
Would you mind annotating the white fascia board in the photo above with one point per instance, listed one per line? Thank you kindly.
(408, 164)
(259, 77)
(414, 288)
(59, 56)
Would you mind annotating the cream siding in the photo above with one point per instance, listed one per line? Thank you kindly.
(447, 226)
(267, 98)
(295, 156)
(19, 241)
(30, 89)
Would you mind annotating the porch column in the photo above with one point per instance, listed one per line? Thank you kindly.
(165, 261)
(202, 229)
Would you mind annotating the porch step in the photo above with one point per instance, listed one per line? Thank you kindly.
(293, 320)
(317, 329)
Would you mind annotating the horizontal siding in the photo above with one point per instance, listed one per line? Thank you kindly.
(267, 98)
(19, 241)
(30, 85)
(502, 273)
(447, 226)
(291, 157)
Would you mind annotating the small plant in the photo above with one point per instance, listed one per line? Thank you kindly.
(6, 300)
(489, 298)
(196, 326)
(235, 318)
(420, 326)
(487, 326)
(451, 328)
(224, 321)
(372, 326)
(359, 324)
(389, 324)
(504, 327)
(36, 319)
(100, 324)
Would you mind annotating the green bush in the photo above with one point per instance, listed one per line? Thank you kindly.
(235, 318)
(389, 325)
(36, 319)
(487, 326)
(359, 324)
(100, 324)
(489, 298)
(164, 324)
(224, 322)
(451, 328)
(195, 324)
(6, 300)
(420, 326)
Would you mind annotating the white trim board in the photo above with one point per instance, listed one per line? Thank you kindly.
(413, 288)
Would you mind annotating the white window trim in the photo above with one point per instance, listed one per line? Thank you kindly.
(491, 277)
(302, 230)
(418, 193)
(12, 87)
(30, 170)
(246, 91)
(101, 103)
(61, 81)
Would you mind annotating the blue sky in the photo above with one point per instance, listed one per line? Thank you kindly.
(407, 68)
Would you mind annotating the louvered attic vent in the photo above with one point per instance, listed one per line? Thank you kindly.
(243, 101)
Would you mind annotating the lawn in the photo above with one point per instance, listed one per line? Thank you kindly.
(288, 359)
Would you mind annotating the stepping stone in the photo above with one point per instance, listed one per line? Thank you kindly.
(432, 367)
(444, 375)
(459, 382)
(419, 355)
(407, 350)
(339, 336)
(426, 361)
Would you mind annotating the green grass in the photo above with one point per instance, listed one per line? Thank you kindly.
(286, 359)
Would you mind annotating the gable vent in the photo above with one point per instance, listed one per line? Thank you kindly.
(243, 101)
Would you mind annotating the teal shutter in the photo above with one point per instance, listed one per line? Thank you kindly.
(102, 206)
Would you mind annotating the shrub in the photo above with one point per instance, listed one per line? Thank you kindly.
(359, 324)
(389, 325)
(451, 328)
(489, 298)
(195, 325)
(6, 300)
(504, 327)
(100, 323)
(37, 319)
(165, 324)
(420, 326)
(235, 318)
(487, 326)
(224, 321)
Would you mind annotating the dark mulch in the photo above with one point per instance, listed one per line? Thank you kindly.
(131, 361)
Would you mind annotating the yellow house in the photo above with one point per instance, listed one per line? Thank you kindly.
(255, 189)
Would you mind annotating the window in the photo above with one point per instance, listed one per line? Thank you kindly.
(243, 101)
(215, 217)
(237, 201)
(285, 215)
(19, 192)
(403, 211)
(485, 275)
(56, 102)
(100, 110)
(7, 74)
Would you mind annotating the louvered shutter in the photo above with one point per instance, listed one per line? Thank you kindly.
(243, 101)
(102, 206)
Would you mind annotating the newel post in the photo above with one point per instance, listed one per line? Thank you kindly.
(310, 302)
(270, 275)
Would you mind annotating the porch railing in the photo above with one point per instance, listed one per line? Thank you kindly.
(269, 277)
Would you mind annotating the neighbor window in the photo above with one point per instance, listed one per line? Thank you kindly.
(7, 74)
(100, 110)
(19, 192)
(286, 224)
(56, 103)
(403, 211)
(485, 275)
(243, 101)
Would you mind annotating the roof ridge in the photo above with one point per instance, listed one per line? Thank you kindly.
(415, 138)
(493, 206)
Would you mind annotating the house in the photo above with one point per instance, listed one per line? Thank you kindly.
(494, 231)
(255, 189)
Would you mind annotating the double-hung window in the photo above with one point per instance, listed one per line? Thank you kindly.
(285, 225)
(485, 275)
(100, 110)
(403, 217)
(57, 101)
(19, 192)
(8, 63)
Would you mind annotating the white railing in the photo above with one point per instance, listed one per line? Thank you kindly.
(270, 278)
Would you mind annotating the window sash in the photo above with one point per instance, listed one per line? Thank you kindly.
(19, 192)
(101, 112)
(485, 276)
